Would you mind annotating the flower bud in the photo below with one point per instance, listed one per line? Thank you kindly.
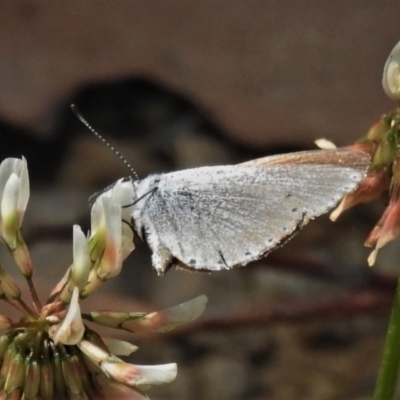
(32, 379)
(59, 383)
(71, 376)
(16, 373)
(8, 286)
(46, 387)
(391, 74)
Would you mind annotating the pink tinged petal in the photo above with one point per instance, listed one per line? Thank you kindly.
(61, 283)
(81, 266)
(119, 347)
(170, 318)
(160, 321)
(111, 262)
(117, 391)
(387, 229)
(139, 375)
(121, 195)
(71, 329)
(369, 189)
(128, 374)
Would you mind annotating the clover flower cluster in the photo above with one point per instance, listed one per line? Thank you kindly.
(382, 142)
(49, 353)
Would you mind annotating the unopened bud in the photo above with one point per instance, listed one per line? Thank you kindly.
(16, 373)
(71, 375)
(58, 373)
(8, 286)
(22, 258)
(46, 388)
(32, 379)
(391, 74)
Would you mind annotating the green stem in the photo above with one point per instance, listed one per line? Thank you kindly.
(389, 370)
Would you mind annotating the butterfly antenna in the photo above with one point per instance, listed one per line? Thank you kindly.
(97, 134)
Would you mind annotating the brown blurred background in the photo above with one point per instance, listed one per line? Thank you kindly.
(176, 84)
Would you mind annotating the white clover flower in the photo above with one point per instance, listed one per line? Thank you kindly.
(14, 195)
(128, 374)
(50, 353)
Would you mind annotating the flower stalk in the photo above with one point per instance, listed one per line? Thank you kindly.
(388, 376)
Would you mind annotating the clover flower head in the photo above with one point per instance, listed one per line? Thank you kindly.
(50, 352)
(382, 143)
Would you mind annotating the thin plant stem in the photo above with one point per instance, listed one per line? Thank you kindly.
(389, 370)
(17, 305)
(35, 297)
(26, 308)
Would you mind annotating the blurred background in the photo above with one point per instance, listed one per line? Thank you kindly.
(178, 84)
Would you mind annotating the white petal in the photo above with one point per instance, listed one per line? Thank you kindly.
(8, 167)
(154, 374)
(127, 244)
(112, 214)
(337, 211)
(139, 375)
(81, 266)
(24, 190)
(184, 313)
(111, 263)
(71, 329)
(124, 192)
(10, 197)
(119, 347)
(93, 352)
(372, 257)
(118, 391)
(97, 215)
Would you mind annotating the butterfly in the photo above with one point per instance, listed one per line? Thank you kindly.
(219, 217)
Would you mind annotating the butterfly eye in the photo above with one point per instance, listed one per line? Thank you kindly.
(391, 74)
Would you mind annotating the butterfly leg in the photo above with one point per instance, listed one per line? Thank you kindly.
(162, 259)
